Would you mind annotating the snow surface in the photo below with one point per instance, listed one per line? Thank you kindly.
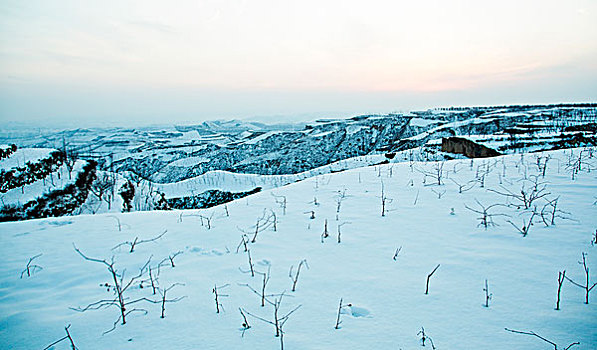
(264, 136)
(388, 304)
(423, 122)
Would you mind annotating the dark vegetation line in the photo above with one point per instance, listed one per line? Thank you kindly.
(59, 202)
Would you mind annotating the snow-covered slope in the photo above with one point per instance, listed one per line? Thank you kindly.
(388, 304)
(168, 154)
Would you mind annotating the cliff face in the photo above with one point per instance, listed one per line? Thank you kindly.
(467, 148)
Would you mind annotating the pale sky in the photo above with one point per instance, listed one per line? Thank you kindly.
(90, 62)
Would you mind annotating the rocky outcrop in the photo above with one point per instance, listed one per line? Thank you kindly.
(467, 148)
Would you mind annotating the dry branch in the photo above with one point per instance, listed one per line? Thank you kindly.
(67, 336)
(30, 269)
(428, 277)
(531, 333)
(294, 278)
(136, 242)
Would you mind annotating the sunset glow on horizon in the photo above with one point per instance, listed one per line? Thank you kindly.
(214, 59)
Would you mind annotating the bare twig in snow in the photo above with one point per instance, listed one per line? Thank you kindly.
(587, 286)
(294, 277)
(136, 242)
(531, 333)
(30, 269)
(428, 277)
(67, 336)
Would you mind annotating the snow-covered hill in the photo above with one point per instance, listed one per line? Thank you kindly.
(168, 154)
(380, 266)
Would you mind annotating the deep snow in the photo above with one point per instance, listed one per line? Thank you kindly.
(388, 302)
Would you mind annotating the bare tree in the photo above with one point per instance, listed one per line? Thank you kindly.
(425, 337)
(169, 258)
(340, 196)
(31, 269)
(561, 277)
(325, 233)
(265, 221)
(384, 200)
(428, 277)
(118, 222)
(486, 218)
(395, 257)
(550, 212)
(206, 220)
(463, 187)
(439, 193)
(153, 280)
(70, 157)
(294, 277)
(119, 289)
(528, 193)
(67, 336)
(217, 296)
(587, 287)
(245, 323)
(251, 265)
(103, 188)
(243, 243)
(416, 198)
(436, 173)
(264, 283)
(274, 220)
(278, 321)
(526, 225)
(482, 174)
(165, 300)
(531, 333)
(340, 232)
(487, 294)
(340, 307)
(281, 201)
(542, 164)
(575, 164)
(136, 242)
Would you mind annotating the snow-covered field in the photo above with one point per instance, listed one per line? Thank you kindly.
(388, 304)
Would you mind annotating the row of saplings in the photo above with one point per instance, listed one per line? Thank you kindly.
(32, 171)
(59, 202)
